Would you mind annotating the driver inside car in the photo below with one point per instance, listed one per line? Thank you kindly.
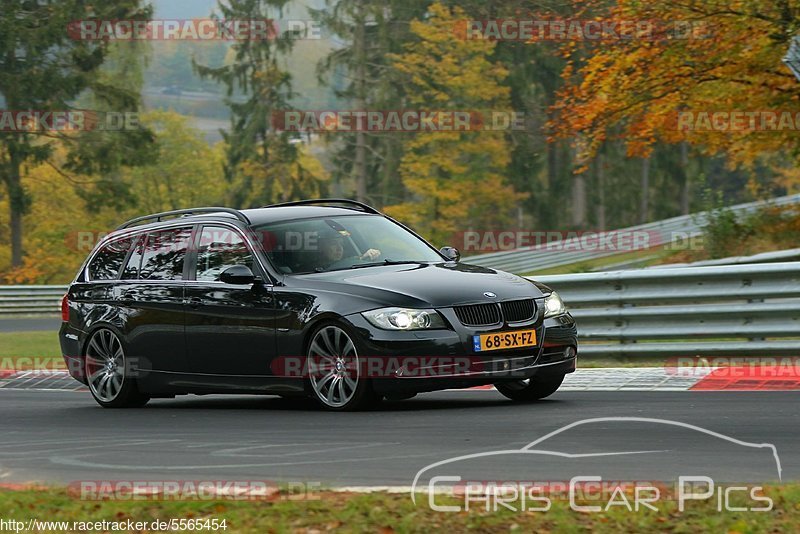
(332, 248)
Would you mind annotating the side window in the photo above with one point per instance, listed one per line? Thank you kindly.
(164, 253)
(131, 270)
(218, 249)
(108, 261)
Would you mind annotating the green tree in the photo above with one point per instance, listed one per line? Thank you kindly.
(43, 68)
(59, 231)
(185, 171)
(256, 153)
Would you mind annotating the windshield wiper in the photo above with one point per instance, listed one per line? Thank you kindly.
(372, 264)
(386, 262)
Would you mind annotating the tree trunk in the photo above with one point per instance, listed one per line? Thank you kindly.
(578, 193)
(600, 208)
(391, 184)
(16, 208)
(360, 166)
(360, 163)
(578, 201)
(644, 186)
(686, 182)
(546, 213)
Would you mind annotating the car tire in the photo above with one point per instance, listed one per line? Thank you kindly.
(530, 390)
(334, 370)
(108, 372)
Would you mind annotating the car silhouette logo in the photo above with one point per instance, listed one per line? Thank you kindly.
(489, 295)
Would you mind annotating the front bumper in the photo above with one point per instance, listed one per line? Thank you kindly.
(429, 360)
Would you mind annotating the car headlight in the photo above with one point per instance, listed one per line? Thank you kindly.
(404, 319)
(553, 305)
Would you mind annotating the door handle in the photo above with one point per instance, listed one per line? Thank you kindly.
(195, 302)
(127, 298)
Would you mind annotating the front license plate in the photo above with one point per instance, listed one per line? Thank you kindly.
(504, 340)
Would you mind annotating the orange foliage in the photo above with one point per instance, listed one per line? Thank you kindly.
(636, 87)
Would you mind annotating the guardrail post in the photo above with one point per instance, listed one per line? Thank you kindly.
(749, 282)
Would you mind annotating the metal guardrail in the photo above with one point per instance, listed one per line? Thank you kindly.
(565, 252)
(763, 257)
(21, 300)
(735, 310)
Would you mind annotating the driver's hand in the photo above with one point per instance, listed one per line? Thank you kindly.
(372, 254)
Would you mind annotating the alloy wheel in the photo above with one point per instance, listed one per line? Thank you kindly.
(105, 365)
(333, 367)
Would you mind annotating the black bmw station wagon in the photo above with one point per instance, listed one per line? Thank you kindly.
(324, 298)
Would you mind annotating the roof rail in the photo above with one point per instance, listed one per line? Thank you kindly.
(353, 203)
(191, 211)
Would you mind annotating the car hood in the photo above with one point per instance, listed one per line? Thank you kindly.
(435, 285)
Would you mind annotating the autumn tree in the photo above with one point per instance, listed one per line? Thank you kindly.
(699, 57)
(455, 179)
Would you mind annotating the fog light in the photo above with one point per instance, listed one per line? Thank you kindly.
(569, 353)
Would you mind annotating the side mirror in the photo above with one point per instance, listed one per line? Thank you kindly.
(240, 275)
(451, 253)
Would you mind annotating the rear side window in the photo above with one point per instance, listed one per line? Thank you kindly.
(164, 254)
(109, 259)
(220, 248)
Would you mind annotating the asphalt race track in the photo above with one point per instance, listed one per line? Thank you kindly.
(61, 437)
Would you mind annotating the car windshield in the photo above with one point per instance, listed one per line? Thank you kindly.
(338, 243)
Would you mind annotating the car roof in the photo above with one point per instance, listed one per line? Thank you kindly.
(269, 215)
(257, 217)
